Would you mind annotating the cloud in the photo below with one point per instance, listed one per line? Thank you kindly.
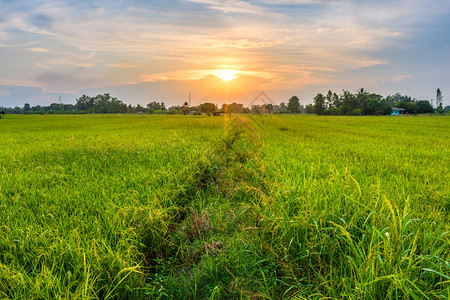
(121, 65)
(231, 6)
(42, 50)
(67, 62)
(63, 83)
(288, 43)
(401, 78)
(292, 3)
(18, 95)
(246, 43)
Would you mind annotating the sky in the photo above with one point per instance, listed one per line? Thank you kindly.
(142, 51)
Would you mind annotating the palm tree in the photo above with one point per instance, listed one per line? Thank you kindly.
(361, 98)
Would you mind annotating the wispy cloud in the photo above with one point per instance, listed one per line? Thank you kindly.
(39, 50)
(401, 78)
(66, 62)
(122, 65)
(231, 6)
(246, 43)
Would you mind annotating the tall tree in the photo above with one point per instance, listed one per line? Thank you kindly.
(293, 105)
(373, 105)
(269, 107)
(185, 109)
(281, 108)
(236, 108)
(26, 107)
(309, 109)
(84, 103)
(361, 99)
(348, 102)
(329, 99)
(319, 104)
(336, 101)
(155, 106)
(439, 100)
(207, 108)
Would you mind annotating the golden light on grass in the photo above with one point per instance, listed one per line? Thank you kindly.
(227, 74)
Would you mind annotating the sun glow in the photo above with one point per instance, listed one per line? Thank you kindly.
(226, 74)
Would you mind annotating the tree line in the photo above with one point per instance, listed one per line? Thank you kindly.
(360, 103)
(364, 103)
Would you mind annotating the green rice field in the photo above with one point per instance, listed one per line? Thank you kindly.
(247, 206)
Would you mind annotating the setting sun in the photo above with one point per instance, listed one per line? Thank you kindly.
(227, 74)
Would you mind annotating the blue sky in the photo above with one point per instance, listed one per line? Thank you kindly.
(142, 51)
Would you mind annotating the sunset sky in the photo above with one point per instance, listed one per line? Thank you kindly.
(142, 51)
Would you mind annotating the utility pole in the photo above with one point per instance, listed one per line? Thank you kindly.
(189, 98)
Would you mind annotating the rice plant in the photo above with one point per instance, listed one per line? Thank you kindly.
(304, 207)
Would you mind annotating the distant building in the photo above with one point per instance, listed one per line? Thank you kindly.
(397, 111)
(221, 112)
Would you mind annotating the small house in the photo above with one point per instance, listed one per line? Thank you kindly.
(221, 112)
(1, 114)
(397, 111)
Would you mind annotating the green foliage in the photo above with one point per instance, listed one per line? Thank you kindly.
(151, 206)
(236, 108)
(410, 107)
(361, 103)
(281, 108)
(362, 96)
(26, 107)
(207, 108)
(398, 98)
(423, 107)
(84, 103)
(269, 107)
(439, 98)
(309, 109)
(156, 106)
(319, 104)
(373, 105)
(348, 102)
(293, 106)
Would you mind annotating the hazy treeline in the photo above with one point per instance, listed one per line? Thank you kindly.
(360, 103)
(85, 104)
